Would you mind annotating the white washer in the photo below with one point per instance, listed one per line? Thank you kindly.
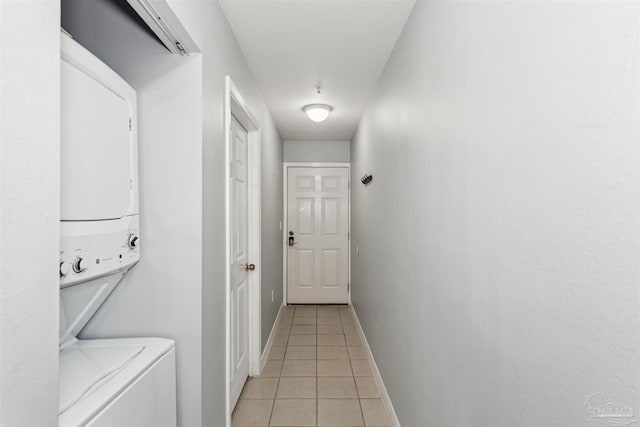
(109, 382)
(118, 382)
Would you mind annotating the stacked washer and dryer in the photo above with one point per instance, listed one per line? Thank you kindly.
(103, 382)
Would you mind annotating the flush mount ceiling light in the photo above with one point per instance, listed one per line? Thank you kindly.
(317, 112)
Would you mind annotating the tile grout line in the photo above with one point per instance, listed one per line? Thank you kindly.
(286, 344)
(317, 385)
(355, 384)
(274, 398)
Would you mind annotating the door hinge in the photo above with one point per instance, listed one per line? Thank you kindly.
(130, 126)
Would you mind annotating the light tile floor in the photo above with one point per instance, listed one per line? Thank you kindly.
(317, 374)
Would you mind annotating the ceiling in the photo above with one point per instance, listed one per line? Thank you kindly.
(291, 45)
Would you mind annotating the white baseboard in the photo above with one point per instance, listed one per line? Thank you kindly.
(267, 348)
(376, 373)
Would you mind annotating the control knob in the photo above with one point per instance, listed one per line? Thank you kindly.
(132, 241)
(65, 268)
(80, 265)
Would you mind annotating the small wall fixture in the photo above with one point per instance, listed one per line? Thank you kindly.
(366, 179)
(317, 112)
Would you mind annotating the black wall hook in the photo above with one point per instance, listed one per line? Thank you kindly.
(366, 179)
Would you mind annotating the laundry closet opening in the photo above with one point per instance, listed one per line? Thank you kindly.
(161, 296)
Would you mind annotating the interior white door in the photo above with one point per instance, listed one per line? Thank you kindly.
(318, 235)
(239, 267)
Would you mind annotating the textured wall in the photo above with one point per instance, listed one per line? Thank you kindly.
(29, 211)
(498, 279)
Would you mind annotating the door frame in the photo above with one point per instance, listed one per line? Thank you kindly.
(236, 106)
(285, 246)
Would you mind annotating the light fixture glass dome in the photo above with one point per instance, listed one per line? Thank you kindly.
(317, 112)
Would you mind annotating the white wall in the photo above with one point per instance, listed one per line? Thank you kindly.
(272, 216)
(29, 211)
(317, 151)
(498, 279)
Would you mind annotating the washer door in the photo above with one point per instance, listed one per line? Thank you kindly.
(82, 369)
(96, 174)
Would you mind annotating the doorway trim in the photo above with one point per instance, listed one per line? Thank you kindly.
(236, 106)
(285, 198)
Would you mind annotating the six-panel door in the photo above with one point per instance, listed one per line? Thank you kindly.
(318, 235)
(239, 242)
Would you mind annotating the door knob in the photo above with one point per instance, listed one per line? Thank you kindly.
(249, 267)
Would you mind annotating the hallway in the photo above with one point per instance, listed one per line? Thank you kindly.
(317, 374)
(183, 173)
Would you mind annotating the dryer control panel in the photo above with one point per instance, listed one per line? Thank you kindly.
(87, 253)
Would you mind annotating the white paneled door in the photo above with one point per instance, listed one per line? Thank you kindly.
(239, 261)
(318, 235)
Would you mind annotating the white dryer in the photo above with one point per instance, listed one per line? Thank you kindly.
(107, 382)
